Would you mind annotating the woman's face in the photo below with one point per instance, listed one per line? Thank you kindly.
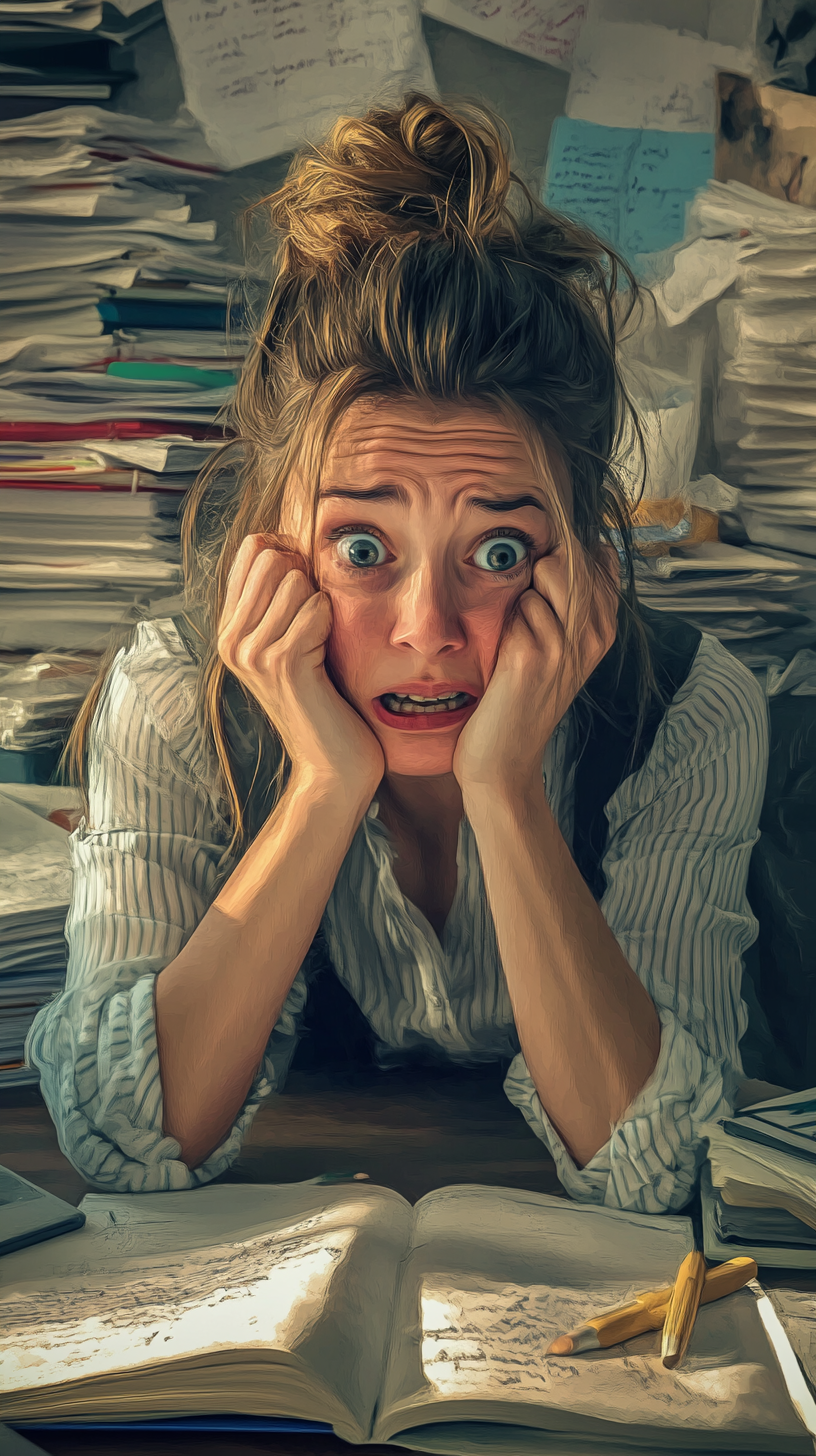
(429, 521)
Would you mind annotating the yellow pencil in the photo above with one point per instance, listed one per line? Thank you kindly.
(683, 1307)
(648, 1311)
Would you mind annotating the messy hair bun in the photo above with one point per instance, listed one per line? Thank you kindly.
(393, 178)
(410, 259)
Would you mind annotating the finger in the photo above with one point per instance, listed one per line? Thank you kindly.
(244, 557)
(310, 627)
(550, 580)
(249, 551)
(265, 575)
(291, 596)
(542, 621)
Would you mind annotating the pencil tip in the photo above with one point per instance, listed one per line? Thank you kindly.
(561, 1346)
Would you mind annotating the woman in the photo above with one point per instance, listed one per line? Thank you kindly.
(416, 718)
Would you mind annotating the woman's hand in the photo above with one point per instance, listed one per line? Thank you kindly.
(534, 681)
(272, 636)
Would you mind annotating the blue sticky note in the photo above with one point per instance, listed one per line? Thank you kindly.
(631, 187)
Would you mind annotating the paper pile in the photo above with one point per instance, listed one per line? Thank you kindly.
(746, 1188)
(746, 598)
(60, 50)
(35, 889)
(116, 355)
(39, 697)
(765, 421)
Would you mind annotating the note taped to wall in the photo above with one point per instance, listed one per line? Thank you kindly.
(647, 76)
(544, 29)
(631, 187)
(262, 76)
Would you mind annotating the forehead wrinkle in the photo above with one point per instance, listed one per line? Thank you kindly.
(506, 451)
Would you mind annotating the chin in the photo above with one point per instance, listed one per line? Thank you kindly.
(420, 760)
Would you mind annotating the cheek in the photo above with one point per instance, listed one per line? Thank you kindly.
(487, 620)
(355, 639)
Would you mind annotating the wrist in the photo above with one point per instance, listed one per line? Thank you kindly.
(509, 795)
(327, 788)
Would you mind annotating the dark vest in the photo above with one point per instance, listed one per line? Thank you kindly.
(336, 1036)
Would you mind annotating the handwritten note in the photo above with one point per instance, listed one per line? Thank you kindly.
(631, 187)
(262, 76)
(260, 1291)
(647, 77)
(486, 1341)
(544, 29)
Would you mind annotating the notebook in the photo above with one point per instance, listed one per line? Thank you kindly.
(759, 1188)
(786, 1123)
(425, 1326)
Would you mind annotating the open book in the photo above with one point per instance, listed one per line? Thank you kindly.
(422, 1325)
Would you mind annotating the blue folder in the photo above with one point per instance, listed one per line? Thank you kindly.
(140, 314)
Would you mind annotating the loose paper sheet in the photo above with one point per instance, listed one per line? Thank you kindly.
(646, 76)
(544, 29)
(631, 187)
(263, 76)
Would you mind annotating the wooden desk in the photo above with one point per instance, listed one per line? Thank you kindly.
(409, 1132)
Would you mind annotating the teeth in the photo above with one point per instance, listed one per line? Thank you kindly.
(413, 703)
(440, 697)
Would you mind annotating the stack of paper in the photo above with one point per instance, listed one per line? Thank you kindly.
(765, 422)
(757, 1199)
(58, 50)
(749, 599)
(73, 563)
(117, 353)
(35, 889)
(39, 698)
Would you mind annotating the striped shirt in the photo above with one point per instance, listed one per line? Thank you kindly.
(681, 831)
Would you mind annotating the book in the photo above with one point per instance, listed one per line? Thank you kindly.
(424, 1326)
(787, 1123)
(759, 1192)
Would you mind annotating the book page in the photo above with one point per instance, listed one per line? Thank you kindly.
(297, 1277)
(797, 1311)
(494, 1275)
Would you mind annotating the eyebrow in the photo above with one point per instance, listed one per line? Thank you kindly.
(399, 494)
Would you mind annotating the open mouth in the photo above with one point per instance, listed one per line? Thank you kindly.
(410, 710)
(410, 703)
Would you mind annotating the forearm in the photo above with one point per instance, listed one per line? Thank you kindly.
(588, 1028)
(218, 1001)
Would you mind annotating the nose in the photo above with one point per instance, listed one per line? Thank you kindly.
(426, 616)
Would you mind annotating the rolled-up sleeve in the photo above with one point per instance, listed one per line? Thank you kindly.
(681, 833)
(144, 875)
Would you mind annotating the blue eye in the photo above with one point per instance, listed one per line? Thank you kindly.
(362, 550)
(500, 553)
